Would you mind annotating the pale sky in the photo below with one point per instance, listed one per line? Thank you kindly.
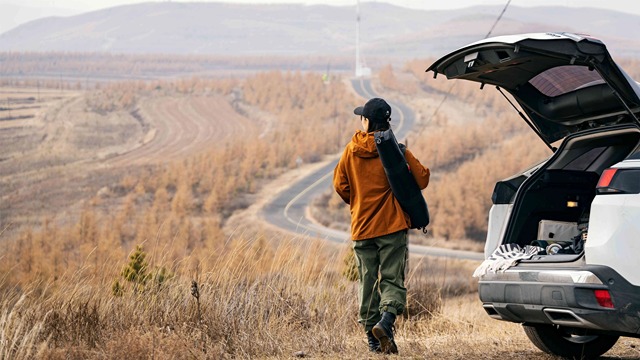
(16, 12)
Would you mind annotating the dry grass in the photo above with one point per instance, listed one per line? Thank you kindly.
(254, 301)
(268, 297)
(250, 303)
(260, 295)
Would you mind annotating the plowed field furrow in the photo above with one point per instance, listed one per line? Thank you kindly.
(55, 175)
(185, 126)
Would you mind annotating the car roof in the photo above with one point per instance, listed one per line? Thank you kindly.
(563, 82)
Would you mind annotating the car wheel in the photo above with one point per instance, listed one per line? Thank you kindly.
(575, 344)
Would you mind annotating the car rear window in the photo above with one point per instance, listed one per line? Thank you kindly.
(563, 79)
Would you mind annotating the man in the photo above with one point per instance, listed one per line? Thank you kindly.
(378, 226)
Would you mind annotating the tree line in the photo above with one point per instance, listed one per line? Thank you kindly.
(107, 66)
(180, 208)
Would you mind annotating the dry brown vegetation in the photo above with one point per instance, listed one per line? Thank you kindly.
(86, 67)
(114, 278)
(252, 295)
(258, 298)
(187, 200)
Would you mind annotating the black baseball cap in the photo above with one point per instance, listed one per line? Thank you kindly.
(376, 110)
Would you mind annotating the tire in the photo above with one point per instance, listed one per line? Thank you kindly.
(578, 344)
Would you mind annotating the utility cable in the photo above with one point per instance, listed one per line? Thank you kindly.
(498, 19)
(446, 96)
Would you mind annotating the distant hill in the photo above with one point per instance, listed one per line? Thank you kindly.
(269, 30)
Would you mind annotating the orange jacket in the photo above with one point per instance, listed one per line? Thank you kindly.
(360, 181)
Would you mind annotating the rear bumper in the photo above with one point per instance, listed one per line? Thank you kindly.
(533, 294)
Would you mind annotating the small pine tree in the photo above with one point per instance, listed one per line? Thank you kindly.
(135, 271)
(138, 273)
(350, 269)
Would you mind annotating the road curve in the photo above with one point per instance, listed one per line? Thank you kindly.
(288, 209)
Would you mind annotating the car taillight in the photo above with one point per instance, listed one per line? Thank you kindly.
(619, 181)
(603, 297)
(606, 177)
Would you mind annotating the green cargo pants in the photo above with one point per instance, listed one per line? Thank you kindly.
(381, 265)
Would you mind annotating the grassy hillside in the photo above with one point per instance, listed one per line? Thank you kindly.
(149, 264)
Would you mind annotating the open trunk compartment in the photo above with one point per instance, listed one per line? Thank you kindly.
(553, 204)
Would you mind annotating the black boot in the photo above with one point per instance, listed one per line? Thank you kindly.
(383, 331)
(374, 344)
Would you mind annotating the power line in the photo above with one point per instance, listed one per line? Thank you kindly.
(446, 96)
(498, 19)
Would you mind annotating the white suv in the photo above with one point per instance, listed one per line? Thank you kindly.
(572, 223)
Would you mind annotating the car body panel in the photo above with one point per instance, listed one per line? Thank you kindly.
(522, 295)
(563, 82)
(498, 216)
(628, 164)
(614, 229)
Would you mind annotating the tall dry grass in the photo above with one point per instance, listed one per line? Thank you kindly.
(255, 300)
(259, 296)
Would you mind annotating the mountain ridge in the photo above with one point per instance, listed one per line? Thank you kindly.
(284, 29)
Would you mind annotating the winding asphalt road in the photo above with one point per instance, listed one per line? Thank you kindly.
(288, 209)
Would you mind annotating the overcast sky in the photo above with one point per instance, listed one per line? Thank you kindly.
(16, 12)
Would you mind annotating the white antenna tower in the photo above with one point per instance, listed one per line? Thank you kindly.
(360, 70)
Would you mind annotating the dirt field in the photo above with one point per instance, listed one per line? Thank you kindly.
(56, 153)
(179, 127)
